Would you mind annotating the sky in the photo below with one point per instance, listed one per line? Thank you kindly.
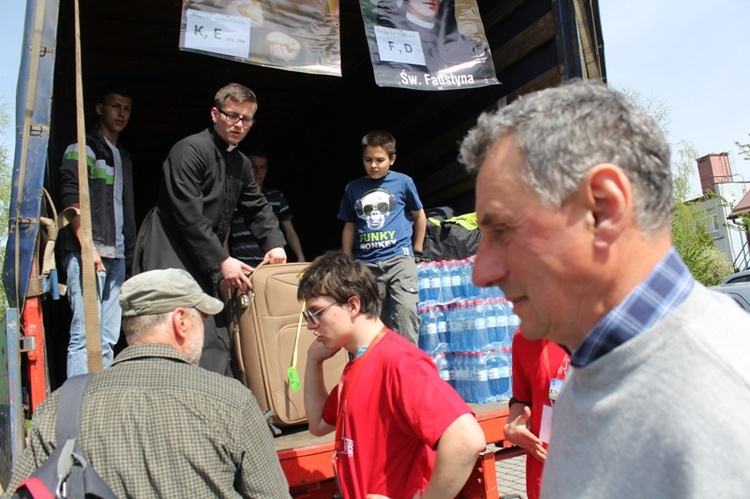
(691, 55)
(11, 34)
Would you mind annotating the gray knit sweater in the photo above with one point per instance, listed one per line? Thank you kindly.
(666, 414)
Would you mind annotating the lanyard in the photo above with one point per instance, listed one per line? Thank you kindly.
(344, 388)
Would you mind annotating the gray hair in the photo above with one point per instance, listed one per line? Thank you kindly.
(563, 132)
(138, 327)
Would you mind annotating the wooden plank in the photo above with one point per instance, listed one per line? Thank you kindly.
(548, 79)
(524, 43)
(482, 483)
(306, 459)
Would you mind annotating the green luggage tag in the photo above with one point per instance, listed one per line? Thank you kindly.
(294, 383)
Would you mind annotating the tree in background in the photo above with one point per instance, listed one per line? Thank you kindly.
(689, 232)
(5, 183)
(691, 238)
(744, 149)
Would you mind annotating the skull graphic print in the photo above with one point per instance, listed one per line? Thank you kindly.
(375, 206)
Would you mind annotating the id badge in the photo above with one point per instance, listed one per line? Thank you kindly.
(555, 384)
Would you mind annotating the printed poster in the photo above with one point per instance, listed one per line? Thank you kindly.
(301, 36)
(427, 44)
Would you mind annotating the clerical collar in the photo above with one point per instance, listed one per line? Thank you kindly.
(419, 22)
(231, 148)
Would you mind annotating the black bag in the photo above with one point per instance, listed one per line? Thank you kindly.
(76, 478)
(454, 238)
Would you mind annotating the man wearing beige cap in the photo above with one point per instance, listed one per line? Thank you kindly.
(157, 425)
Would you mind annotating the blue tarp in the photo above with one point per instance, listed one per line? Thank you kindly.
(33, 111)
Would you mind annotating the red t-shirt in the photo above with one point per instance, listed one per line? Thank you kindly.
(395, 412)
(531, 379)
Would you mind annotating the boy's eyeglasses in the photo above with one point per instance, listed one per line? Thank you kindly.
(233, 118)
(312, 316)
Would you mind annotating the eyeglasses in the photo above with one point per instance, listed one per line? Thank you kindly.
(233, 118)
(311, 317)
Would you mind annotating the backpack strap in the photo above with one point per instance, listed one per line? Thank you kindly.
(66, 473)
(69, 407)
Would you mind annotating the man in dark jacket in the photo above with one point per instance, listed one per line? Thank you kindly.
(205, 179)
(112, 225)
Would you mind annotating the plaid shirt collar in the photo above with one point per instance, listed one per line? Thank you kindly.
(653, 299)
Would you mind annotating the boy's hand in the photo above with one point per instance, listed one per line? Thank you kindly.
(318, 353)
(418, 257)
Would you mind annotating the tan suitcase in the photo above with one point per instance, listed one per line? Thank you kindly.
(264, 328)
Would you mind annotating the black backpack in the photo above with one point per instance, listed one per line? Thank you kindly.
(66, 473)
(453, 238)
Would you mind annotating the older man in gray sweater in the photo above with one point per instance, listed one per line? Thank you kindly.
(574, 203)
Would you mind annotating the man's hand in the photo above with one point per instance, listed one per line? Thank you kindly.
(275, 255)
(98, 264)
(233, 271)
(518, 433)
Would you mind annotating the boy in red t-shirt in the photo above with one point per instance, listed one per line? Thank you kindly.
(401, 431)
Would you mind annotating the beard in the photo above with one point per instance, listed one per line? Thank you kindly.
(194, 347)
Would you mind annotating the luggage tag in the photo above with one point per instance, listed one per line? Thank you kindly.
(291, 372)
(293, 376)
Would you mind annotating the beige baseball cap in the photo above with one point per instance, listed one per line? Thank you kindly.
(161, 291)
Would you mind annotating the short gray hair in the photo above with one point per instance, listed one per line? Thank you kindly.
(563, 132)
(137, 328)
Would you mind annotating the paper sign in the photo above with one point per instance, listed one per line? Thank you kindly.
(217, 33)
(436, 45)
(294, 383)
(399, 45)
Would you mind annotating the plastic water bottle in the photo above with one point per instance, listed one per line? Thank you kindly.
(457, 367)
(455, 327)
(503, 383)
(480, 325)
(481, 380)
(434, 275)
(441, 361)
(464, 327)
(466, 374)
(446, 291)
(457, 288)
(450, 357)
(490, 319)
(423, 280)
(493, 374)
(514, 322)
(503, 322)
(467, 279)
(428, 339)
(442, 323)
